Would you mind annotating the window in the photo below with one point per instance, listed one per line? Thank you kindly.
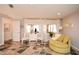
(28, 28)
(31, 28)
(45, 28)
(36, 27)
(52, 28)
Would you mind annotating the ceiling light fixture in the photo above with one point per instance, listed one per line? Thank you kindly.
(58, 13)
(10, 5)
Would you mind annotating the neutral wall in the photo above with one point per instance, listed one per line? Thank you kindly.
(4, 36)
(16, 30)
(8, 33)
(1, 39)
(71, 28)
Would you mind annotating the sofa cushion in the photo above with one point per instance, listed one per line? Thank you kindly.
(58, 44)
(65, 40)
(59, 50)
(61, 38)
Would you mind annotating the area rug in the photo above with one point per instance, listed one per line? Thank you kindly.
(22, 49)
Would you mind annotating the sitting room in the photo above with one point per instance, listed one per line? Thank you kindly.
(39, 29)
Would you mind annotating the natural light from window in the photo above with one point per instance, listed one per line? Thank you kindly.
(52, 28)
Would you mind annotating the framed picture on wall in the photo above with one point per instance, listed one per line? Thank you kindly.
(6, 27)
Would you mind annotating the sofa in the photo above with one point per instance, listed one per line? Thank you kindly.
(60, 44)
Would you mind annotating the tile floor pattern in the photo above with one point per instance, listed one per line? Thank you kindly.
(31, 50)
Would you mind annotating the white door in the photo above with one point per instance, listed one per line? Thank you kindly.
(16, 30)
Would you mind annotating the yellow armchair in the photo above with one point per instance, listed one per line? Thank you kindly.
(61, 44)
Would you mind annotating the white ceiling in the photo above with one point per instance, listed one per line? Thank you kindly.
(39, 10)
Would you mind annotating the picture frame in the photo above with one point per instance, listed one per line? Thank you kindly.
(6, 27)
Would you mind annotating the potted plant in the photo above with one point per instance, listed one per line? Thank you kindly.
(51, 34)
